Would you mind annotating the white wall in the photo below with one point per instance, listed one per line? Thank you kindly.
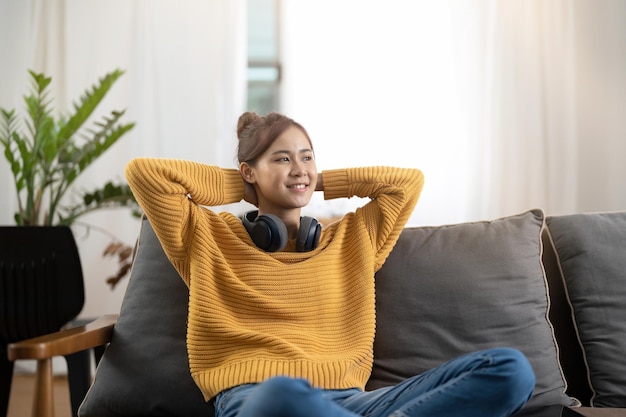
(601, 104)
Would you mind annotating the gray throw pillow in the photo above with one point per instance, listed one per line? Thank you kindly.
(145, 370)
(591, 249)
(445, 291)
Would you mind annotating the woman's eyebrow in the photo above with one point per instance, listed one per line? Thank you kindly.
(284, 151)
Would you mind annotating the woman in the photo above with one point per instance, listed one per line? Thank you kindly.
(281, 313)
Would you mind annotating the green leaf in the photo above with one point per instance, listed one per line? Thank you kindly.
(110, 196)
(40, 81)
(89, 102)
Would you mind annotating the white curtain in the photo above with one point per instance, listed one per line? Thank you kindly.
(184, 86)
(505, 105)
(519, 96)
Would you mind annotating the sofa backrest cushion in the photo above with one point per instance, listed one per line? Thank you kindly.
(591, 250)
(571, 354)
(445, 291)
(145, 370)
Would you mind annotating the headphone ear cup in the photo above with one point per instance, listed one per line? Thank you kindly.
(308, 234)
(267, 231)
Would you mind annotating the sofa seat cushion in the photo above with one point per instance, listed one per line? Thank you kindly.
(445, 291)
(591, 251)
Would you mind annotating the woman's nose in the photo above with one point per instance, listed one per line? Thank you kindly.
(297, 169)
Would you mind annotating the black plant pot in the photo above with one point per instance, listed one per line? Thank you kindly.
(41, 287)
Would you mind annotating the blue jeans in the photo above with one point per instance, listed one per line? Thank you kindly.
(488, 383)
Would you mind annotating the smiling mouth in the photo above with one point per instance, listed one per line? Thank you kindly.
(297, 186)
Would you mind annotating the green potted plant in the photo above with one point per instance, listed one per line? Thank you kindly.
(47, 154)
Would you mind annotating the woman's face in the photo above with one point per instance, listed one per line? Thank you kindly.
(286, 174)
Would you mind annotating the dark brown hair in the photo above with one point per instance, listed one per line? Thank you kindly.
(257, 133)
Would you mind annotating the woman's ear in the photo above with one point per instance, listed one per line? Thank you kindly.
(247, 172)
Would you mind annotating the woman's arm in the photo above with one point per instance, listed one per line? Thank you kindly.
(393, 193)
(171, 191)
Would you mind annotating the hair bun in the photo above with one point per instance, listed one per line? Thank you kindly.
(245, 120)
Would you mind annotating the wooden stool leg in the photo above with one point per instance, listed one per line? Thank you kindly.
(44, 401)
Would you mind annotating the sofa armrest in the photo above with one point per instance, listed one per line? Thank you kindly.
(65, 342)
(94, 335)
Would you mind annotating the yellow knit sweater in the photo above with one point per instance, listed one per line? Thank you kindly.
(256, 314)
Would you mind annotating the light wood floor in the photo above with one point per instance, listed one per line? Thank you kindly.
(23, 391)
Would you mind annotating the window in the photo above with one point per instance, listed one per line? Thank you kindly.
(263, 56)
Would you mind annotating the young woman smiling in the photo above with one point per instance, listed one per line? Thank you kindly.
(282, 312)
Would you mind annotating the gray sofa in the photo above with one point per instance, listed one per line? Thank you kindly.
(553, 287)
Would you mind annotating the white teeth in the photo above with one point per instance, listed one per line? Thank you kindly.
(298, 186)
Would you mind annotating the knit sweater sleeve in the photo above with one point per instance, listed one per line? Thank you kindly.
(171, 193)
(393, 194)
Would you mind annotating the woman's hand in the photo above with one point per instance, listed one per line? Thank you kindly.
(249, 194)
(320, 182)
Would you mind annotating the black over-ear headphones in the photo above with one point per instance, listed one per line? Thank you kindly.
(269, 232)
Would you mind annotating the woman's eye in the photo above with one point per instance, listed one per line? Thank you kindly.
(283, 159)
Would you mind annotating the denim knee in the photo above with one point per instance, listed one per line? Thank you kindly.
(516, 373)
